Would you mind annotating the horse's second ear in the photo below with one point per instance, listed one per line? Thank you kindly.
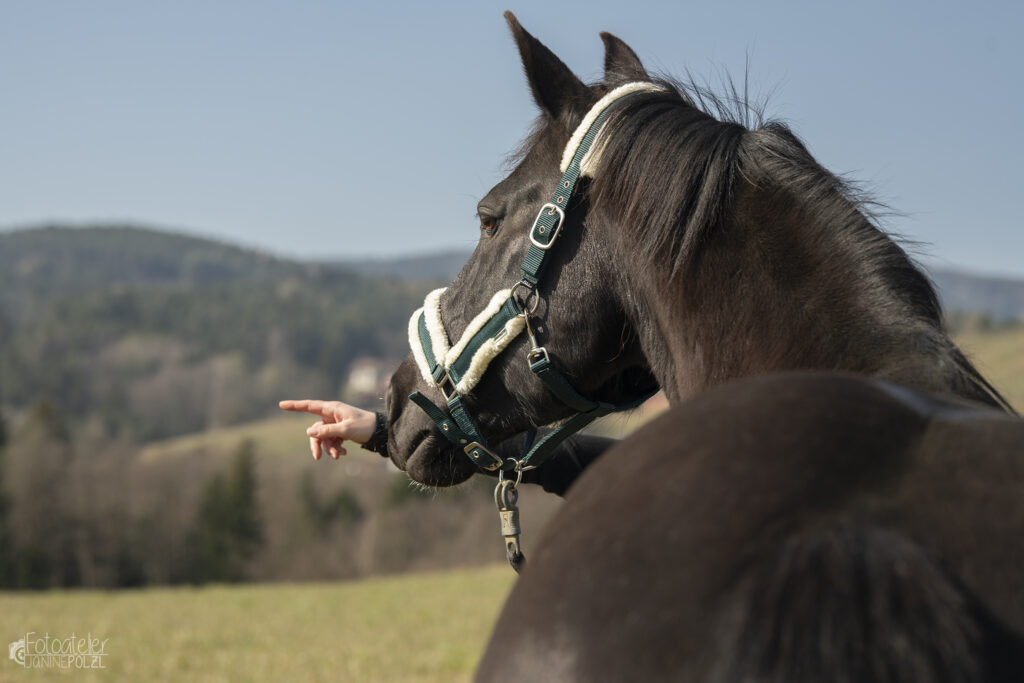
(621, 65)
(555, 87)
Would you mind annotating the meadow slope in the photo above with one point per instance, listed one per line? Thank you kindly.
(421, 628)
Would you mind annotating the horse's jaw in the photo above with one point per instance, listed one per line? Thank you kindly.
(414, 444)
(435, 462)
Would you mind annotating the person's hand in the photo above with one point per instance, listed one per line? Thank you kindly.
(338, 422)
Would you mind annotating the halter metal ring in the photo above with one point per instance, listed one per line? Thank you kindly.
(519, 469)
(505, 494)
(555, 229)
(532, 293)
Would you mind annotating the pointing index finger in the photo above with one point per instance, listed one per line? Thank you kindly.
(305, 406)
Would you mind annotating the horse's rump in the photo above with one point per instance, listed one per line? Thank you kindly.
(789, 527)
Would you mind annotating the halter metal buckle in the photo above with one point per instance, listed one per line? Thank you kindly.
(480, 450)
(535, 354)
(555, 229)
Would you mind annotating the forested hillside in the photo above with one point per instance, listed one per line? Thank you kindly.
(148, 334)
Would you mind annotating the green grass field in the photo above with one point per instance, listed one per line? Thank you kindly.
(427, 627)
(1000, 357)
(283, 433)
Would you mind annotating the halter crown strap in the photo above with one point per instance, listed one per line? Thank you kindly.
(457, 369)
(577, 162)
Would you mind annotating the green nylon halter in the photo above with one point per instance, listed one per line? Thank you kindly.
(459, 427)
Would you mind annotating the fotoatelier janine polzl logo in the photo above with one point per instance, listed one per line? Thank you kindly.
(48, 652)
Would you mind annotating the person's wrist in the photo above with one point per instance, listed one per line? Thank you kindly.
(378, 441)
(366, 425)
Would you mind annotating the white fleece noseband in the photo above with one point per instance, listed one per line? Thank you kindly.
(446, 355)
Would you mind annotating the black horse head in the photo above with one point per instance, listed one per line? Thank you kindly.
(701, 250)
(585, 332)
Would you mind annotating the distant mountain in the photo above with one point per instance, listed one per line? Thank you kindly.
(1000, 298)
(52, 259)
(58, 257)
(38, 264)
(443, 265)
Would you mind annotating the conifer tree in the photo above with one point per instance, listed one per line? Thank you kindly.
(228, 530)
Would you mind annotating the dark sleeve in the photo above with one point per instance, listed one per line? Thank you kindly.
(555, 475)
(378, 442)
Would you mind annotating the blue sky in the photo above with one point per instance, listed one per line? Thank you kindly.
(342, 129)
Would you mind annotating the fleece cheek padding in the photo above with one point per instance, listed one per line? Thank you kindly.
(432, 311)
(438, 338)
(475, 325)
(417, 348)
(487, 352)
(482, 357)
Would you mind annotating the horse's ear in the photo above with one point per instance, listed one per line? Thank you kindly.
(621, 65)
(554, 86)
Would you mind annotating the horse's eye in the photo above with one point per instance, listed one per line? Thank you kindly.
(489, 224)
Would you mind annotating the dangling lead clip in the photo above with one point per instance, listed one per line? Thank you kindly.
(505, 497)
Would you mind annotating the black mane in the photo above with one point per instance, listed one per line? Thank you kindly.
(670, 169)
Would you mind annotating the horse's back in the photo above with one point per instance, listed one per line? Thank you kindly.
(792, 527)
